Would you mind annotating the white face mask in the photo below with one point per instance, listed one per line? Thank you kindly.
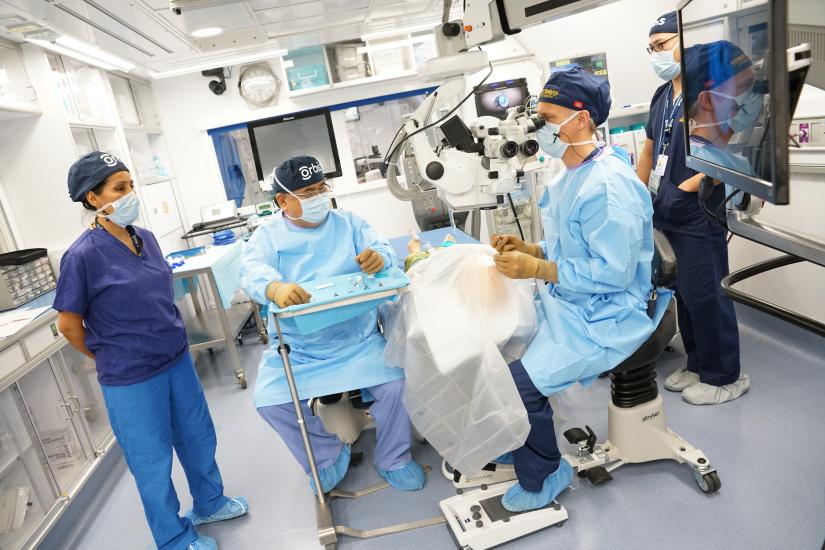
(550, 141)
(749, 107)
(664, 65)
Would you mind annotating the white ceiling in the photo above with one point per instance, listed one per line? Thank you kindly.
(148, 33)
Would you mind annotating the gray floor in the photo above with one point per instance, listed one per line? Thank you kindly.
(768, 447)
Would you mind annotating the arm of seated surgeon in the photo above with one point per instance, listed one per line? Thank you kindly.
(520, 265)
(510, 243)
(287, 294)
(613, 236)
(71, 327)
(374, 251)
(645, 161)
(259, 270)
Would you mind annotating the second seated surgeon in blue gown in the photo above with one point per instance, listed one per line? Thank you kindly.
(345, 356)
(598, 230)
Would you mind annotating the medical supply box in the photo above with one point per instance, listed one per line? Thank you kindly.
(24, 275)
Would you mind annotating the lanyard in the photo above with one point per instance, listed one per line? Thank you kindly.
(666, 130)
(136, 240)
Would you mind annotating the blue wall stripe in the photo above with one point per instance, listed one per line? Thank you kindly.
(337, 107)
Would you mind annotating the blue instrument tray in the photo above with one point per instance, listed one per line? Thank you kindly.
(338, 289)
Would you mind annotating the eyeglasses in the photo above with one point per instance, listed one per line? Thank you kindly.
(660, 46)
(319, 191)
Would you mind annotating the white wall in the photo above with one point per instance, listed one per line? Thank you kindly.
(620, 29)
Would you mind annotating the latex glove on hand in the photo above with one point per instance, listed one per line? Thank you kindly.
(511, 243)
(520, 265)
(287, 294)
(370, 261)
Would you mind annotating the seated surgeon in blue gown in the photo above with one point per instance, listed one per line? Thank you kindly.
(116, 306)
(304, 242)
(596, 260)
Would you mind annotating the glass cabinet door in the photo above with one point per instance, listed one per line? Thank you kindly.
(125, 100)
(89, 91)
(147, 109)
(26, 493)
(56, 426)
(61, 82)
(84, 395)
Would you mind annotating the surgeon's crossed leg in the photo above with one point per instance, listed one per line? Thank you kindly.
(392, 448)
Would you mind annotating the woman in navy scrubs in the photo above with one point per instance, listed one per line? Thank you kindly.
(114, 297)
(707, 319)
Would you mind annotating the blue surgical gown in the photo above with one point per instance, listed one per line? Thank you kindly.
(345, 356)
(598, 229)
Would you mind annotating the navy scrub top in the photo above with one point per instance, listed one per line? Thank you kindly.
(673, 209)
(132, 324)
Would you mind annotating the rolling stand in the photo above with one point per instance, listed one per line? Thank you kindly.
(327, 530)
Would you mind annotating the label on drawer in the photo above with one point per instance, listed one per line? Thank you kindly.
(41, 338)
(11, 359)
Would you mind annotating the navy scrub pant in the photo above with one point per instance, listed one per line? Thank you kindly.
(151, 418)
(707, 319)
(540, 456)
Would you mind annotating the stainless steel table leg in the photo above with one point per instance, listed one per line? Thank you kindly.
(259, 322)
(193, 283)
(323, 510)
(227, 331)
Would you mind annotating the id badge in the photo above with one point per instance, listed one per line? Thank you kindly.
(653, 183)
(661, 164)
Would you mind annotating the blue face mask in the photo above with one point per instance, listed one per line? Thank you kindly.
(127, 210)
(664, 65)
(551, 143)
(313, 209)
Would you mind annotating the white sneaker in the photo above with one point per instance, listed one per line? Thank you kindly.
(705, 394)
(681, 379)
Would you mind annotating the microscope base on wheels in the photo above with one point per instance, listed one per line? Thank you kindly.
(478, 521)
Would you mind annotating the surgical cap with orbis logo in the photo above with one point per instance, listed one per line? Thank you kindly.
(299, 172)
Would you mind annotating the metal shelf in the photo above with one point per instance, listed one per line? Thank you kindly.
(205, 329)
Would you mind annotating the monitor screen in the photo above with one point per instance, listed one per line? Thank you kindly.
(495, 98)
(274, 140)
(736, 96)
(594, 64)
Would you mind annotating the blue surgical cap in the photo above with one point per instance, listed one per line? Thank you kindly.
(708, 66)
(91, 170)
(579, 90)
(297, 173)
(666, 23)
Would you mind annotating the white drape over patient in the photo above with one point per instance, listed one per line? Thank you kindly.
(454, 333)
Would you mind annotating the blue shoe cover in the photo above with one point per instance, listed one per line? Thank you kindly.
(203, 543)
(517, 499)
(332, 475)
(234, 508)
(506, 458)
(409, 478)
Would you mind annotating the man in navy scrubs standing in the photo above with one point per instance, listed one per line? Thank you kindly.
(707, 319)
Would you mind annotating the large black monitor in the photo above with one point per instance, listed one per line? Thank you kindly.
(738, 94)
(274, 140)
(495, 98)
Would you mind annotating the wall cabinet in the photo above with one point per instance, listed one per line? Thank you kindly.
(53, 432)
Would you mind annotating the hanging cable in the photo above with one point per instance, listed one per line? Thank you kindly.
(515, 215)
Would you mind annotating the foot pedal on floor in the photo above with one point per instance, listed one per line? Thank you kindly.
(597, 475)
(356, 458)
